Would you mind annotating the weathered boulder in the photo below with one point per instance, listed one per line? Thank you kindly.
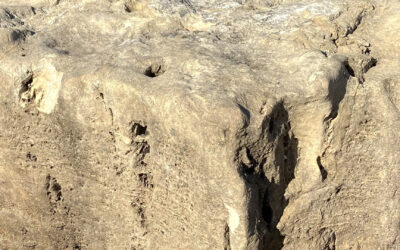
(199, 124)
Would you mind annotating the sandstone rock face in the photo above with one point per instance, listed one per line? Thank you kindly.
(160, 124)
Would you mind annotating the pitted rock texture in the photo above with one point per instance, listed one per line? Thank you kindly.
(166, 124)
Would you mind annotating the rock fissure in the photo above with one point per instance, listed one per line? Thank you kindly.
(137, 124)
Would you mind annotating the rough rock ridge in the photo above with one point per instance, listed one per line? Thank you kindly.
(166, 124)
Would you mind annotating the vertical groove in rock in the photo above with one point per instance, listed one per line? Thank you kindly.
(136, 124)
(267, 166)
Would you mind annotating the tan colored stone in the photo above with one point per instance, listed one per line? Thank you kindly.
(199, 124)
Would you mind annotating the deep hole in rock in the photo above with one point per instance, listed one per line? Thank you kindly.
(156, 69)
(138, 129)
(149, 72)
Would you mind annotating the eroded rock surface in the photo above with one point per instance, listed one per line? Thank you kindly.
(258, 124)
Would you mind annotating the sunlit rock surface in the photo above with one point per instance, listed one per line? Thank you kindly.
(258, 124)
